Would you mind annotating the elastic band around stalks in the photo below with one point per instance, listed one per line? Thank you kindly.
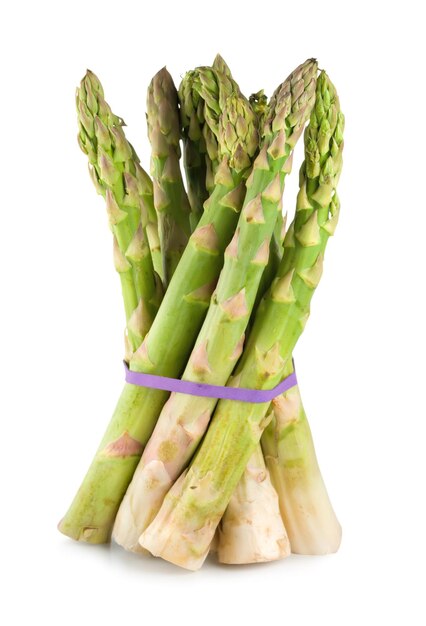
(254, 396)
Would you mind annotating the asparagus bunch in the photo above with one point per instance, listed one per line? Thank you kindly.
(219, 344)
(233, 277)
(184, 527)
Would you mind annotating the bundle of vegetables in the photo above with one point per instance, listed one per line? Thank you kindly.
(216, 295)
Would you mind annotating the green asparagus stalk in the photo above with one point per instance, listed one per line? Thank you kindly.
(127, 189)
(185, 525)
(170, 199)
(246, 533)
(220, 341)
(289, 451)
(168, 344)
(251, 529)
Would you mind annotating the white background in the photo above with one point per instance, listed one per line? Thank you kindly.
(361, 361)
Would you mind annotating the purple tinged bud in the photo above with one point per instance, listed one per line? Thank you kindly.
(115, 214)
(144, 181)
(91, 99)
(160, 147)
(165, 118)
(241, 126)
(95, 83)
(81, 142)
(107, 170)
(132, 197)
(122, 148)
(85, 119)
(240, 160)
(102, 134)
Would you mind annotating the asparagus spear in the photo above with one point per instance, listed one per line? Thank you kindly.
(170, 199)
(290, 456)
(184, 419)
(246, 533)
(251, 529)
(168, 344)
(186, 522)
(127, 189)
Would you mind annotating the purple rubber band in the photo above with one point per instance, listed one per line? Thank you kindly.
(209, 391)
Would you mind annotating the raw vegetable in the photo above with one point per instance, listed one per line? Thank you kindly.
(219, 344)
(215, 292)
(185, 525)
